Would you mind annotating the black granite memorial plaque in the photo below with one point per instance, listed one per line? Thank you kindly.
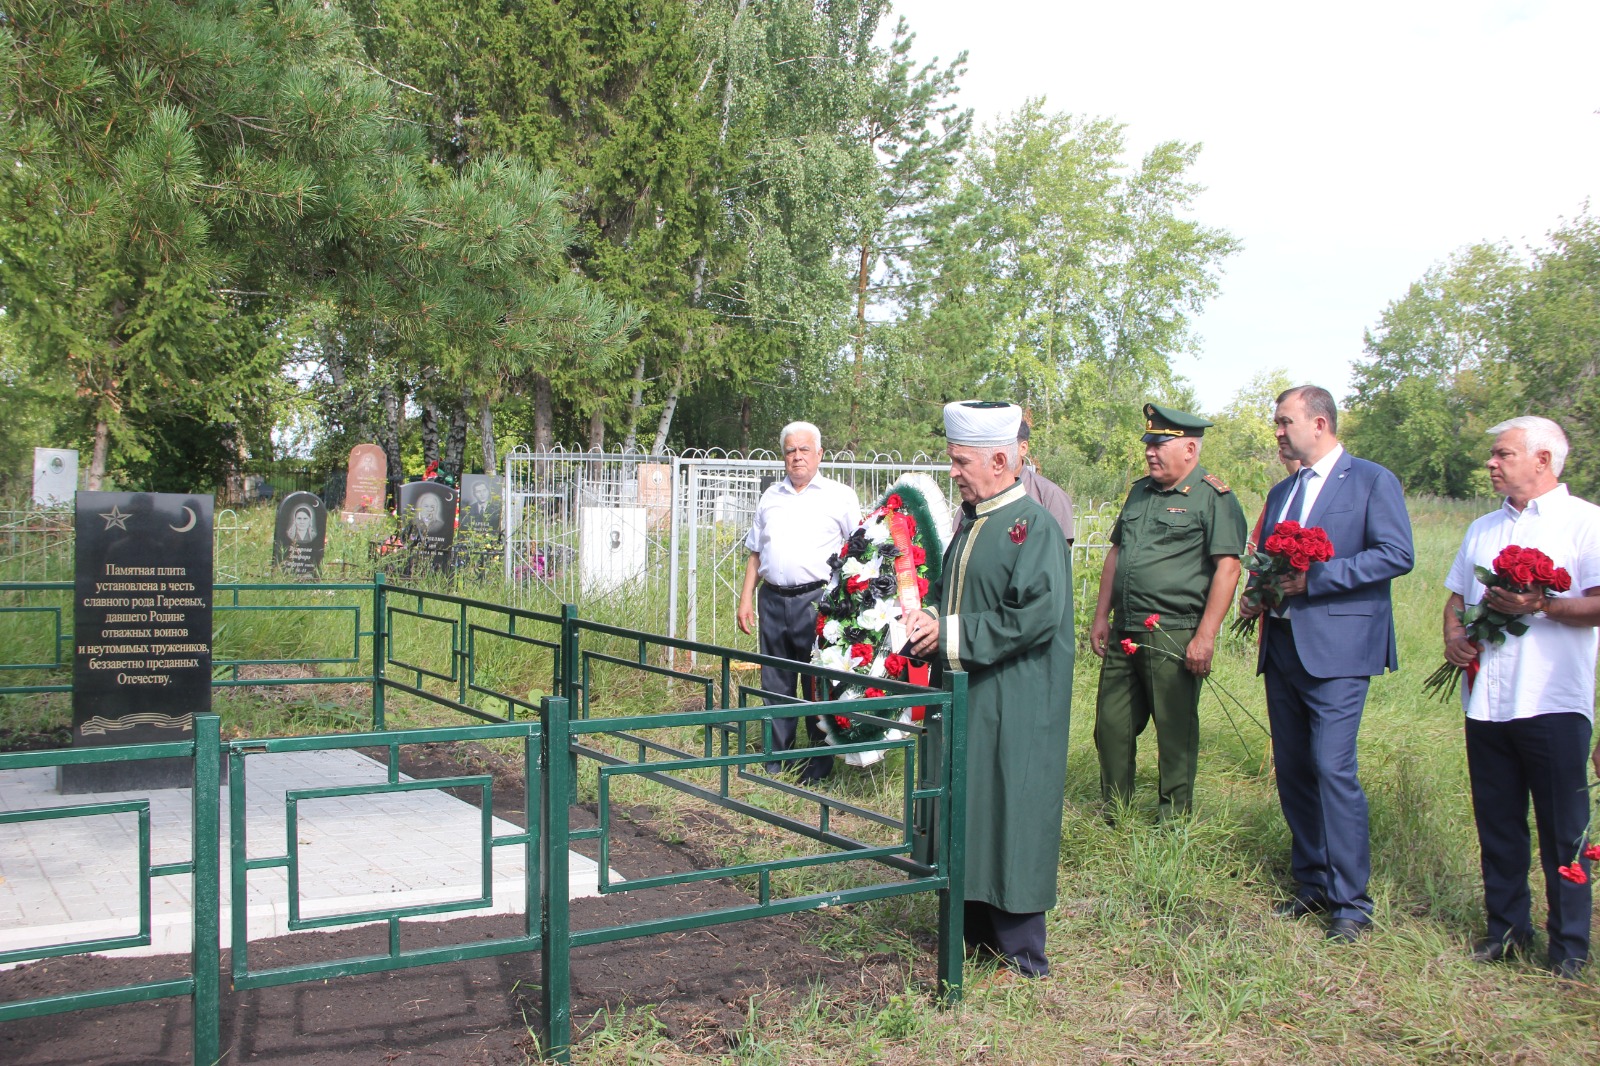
(481, 509)
(299, 535)
(141, 632)
(428, 516)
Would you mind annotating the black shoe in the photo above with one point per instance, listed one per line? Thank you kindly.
(1491, 949)
(1567, 969)
(1346, 930)
(1298, 907)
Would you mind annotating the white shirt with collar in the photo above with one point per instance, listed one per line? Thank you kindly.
(1550, 668)
(1311, 486)
(795, 532)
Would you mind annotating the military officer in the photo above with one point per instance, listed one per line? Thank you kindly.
(1174, 555)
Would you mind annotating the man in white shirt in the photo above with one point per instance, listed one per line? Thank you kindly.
(1530, 707)
(800, 522)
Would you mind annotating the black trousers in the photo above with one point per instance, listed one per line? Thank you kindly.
(788, 627)
(1015, 939)
(1545, 759)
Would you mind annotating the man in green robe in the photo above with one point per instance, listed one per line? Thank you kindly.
(1004, 616)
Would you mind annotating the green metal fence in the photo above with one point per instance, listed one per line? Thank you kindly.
(596, 727)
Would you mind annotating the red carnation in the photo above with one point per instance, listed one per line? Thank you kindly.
(1573, 873)
(1129, 646)
(1153, 621)
(894, 666)
(841, 722)
(1592, 851)
(874, 693)
(863, 654)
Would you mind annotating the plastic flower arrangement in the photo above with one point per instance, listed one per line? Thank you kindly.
(879, 575)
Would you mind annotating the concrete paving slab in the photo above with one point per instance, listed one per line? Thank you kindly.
(69, 880)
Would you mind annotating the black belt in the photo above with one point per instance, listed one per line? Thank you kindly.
(795, 590)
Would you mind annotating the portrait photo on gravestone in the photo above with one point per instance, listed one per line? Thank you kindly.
(428, 515)
(299, 535)
(142, 631)
(481, 508)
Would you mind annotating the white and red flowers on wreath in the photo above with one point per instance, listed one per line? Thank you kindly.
(880, 574)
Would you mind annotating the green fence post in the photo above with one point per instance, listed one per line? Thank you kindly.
(206, 947)
(572, 691)
(380, 651)
(556, 944)
(953, 839)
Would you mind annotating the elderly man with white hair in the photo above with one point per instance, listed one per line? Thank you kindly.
(1530, 707)
(800, 522)
(1004, 615)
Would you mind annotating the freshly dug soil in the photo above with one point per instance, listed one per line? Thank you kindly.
(701, 983)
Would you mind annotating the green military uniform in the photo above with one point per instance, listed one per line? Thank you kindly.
(1167, 541)
(1005, 617)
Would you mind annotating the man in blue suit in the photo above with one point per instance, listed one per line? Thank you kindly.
(1320, 650)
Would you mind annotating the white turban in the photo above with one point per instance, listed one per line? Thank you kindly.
(980, 424)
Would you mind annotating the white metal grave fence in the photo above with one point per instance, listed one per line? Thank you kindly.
(36, 544)
(658, 540)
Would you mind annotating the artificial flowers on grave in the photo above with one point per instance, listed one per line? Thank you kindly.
(1224, 697)
(1517, 569)
(878, 576)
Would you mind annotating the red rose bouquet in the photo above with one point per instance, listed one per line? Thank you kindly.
(1290, 548)
(1518, 570)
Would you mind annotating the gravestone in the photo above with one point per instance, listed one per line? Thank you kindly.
(366, 484)
(141, 666)
(428, 516)
(300, 535)
(55, 476)
(613, 548)
(481, 504)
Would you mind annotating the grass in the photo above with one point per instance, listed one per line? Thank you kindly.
(1161, 944)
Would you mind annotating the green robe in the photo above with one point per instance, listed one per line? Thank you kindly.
(1005, 606)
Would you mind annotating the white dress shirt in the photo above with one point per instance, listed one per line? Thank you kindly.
(1550, 668)
(1310, 488)
(796, 532)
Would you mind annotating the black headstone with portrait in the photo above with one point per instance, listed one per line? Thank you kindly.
(141, 666)
(299, 535)
(428, 517)
(481, 509)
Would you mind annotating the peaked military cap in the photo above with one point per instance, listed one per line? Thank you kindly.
(1164, 423)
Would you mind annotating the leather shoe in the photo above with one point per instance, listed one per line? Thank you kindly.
(1298, 907)
(1500, 950)
(1567, 969)
(1346, 930)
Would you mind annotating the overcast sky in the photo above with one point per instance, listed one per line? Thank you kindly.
(1348, 146)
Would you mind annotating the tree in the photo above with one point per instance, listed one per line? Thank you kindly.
(1436, 373)
(1062, 278)
(158, 159)
(1241, 448)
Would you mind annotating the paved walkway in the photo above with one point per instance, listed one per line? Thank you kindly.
(68, 880)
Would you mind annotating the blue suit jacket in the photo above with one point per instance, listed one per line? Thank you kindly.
(1344, 625)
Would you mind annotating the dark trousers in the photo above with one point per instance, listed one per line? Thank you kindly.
(788, 627)
(1136, 690)
(1314, 725)
(1016, 939)
(1544, 758)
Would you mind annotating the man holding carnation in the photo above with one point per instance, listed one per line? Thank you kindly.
(1320, 648)
(800, 523)
(1530, 703)
(1004, 615)
(1174, 561)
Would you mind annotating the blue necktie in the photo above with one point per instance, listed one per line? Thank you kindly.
(1291, 513)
